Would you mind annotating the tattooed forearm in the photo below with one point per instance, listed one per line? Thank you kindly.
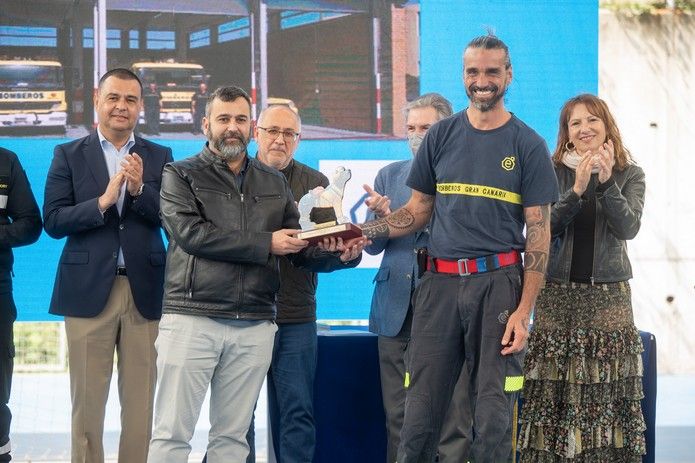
(402, 219)
(535, 261)
(537, 238)
(536, 255)
(375, 229)
(408, 219)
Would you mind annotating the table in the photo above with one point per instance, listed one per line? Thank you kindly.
(349, 414)
(649, 386)
(350, 423)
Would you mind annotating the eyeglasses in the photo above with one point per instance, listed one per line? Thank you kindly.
(287, 135)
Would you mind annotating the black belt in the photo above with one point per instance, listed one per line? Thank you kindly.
(121, 271)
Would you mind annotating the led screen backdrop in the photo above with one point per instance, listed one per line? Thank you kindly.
(322, 62)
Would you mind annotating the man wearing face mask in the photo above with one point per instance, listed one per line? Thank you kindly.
(391, 311)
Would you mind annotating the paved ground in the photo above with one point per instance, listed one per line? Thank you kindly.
(41, 425)
(40, 404)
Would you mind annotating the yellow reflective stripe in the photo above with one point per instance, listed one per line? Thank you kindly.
(513, 383)
(478, 190)
(406, 383)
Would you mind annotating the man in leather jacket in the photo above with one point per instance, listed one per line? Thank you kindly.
(229, 217)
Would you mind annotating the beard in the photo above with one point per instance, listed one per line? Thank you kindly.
(229, 150)
(485, 105)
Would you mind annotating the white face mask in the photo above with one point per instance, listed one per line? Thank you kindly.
(414, 141)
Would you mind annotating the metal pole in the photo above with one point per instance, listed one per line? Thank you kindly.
(252, 30)
(263, 49)
(99, 46)
(95, 54)
(377, 74)
(102, 37)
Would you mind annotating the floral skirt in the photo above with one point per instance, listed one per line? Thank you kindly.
(583, 377)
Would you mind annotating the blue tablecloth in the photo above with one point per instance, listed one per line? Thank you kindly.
(350, 423)
(649, 401)
(349, 414)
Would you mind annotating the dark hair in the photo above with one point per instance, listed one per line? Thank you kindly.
(598, 108)
(491, 42)
(226, 94)
(120, 73)
(440, 104)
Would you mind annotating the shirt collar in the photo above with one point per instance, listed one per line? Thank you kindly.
(103, 140)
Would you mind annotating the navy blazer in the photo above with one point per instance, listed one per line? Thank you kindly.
(397, 274)
(87, 268)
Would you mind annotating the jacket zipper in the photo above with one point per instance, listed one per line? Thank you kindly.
(241, 274)
(191, 277)
(593, 261)
(225, 194)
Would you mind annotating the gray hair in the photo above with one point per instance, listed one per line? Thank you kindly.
(283, 106)
(435, 100)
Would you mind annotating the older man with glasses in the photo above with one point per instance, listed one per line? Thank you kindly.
(293, 367)
(293, 364)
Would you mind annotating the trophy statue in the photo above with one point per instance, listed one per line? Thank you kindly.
(321, 212)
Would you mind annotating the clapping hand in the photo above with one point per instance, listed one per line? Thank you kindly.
(605, 159)
(583, 173)
(131, 166)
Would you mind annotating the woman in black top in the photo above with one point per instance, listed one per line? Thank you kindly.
(583, 367)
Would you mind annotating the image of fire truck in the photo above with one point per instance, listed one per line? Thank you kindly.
(177, 82)
(32, 94)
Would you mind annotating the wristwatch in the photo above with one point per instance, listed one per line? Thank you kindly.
(139, 192)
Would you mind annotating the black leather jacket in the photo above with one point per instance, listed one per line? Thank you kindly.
(297, 297)
(618, 216)
(219, 262)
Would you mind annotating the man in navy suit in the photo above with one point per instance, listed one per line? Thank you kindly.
(391, 313)
(102, 193)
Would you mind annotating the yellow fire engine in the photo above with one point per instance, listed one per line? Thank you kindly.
(177, 82)
(32, 94)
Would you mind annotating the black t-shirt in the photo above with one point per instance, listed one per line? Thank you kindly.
(481, 180)
(583, 243)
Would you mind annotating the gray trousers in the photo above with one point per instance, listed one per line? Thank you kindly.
(455, 440)
(194, 353)
(459, 319)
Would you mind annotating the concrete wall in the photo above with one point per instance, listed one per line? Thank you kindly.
(647, 76)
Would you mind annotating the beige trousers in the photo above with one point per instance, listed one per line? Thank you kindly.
(91, 344)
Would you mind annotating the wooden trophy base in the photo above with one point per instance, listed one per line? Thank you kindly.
(346, 231)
